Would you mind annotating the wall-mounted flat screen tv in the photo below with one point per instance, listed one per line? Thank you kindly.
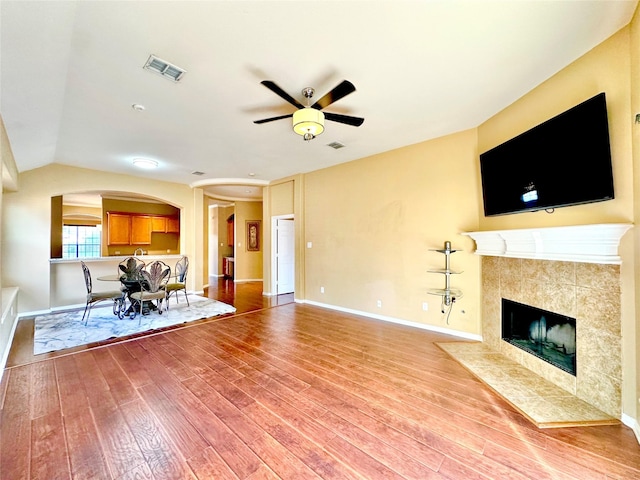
(563, 161)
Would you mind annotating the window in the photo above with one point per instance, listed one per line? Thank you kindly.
(80, 241)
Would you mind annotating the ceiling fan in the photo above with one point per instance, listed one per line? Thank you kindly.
(308, 121)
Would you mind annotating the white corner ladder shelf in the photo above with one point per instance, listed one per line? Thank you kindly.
(447, 293)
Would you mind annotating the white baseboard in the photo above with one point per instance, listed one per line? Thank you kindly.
(431, 328)
(632, 423)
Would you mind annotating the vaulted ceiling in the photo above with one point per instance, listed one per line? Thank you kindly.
(71, 72)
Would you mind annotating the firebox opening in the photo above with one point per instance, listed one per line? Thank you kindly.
(547, 335)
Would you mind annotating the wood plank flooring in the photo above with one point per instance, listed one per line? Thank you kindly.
(292, 391)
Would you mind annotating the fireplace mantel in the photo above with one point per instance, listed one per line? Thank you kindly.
(580, 243)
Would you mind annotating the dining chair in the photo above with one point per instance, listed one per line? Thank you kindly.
(129, 268)
(117, 296)
(182, 267)
(153, 281)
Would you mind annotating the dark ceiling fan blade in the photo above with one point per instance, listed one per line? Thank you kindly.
(340, 91)
(281, 93)
(349, 120)
(265, 120)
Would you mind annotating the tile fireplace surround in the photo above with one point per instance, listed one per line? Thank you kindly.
(573, 271)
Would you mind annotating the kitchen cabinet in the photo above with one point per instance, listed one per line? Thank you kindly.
(230, 224)
(173, 225)
(136, 229)
(140, 230)
(227, 266)
(161, 224)
(158, 224)
(118, 228)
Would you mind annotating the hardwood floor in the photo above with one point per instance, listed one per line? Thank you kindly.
(294, 391)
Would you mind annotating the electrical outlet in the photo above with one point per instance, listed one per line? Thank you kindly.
(425, 306)
(321, 289)
(379, 303)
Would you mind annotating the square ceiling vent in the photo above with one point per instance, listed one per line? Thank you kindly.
(164, 68)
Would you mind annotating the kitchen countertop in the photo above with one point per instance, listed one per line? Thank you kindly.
(118, 258)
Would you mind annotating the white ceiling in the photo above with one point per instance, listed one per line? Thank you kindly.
(70, 72)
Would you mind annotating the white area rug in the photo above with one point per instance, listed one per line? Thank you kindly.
(65, 330)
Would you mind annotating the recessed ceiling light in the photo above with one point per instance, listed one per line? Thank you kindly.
(137, 107)
(145, 163)
(252, 174)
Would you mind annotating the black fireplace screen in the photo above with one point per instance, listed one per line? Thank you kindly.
(547, 335)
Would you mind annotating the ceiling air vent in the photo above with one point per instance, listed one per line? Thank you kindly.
(336, 145)
(166, 69)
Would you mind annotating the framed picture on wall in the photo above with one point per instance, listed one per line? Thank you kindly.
(253, 235)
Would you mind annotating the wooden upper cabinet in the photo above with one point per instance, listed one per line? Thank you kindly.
(230, 224)
(140, 229)
(173, 225)
(118, 228)
(165, 224)
(159, 224)
(136, 229)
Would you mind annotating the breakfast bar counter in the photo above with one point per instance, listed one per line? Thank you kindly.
(67, 280)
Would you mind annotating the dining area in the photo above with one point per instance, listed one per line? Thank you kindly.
(143, 288)
(120, 299)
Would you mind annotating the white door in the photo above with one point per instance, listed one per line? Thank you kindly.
(285, 258)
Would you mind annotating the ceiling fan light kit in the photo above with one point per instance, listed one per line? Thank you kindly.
(308, 122)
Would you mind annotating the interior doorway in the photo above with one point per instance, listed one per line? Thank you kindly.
(283, 260)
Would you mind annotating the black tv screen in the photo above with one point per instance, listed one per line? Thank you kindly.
(563, 161)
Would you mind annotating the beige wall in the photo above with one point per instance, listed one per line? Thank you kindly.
(284, 197)
(372, 223)
(26, 223)
(248, 265)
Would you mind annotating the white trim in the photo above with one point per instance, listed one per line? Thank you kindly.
(5, 354)
(9, 300)
(77, 306)
(423, 326)
(35, 313)
(579, 243)
(632, 423)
